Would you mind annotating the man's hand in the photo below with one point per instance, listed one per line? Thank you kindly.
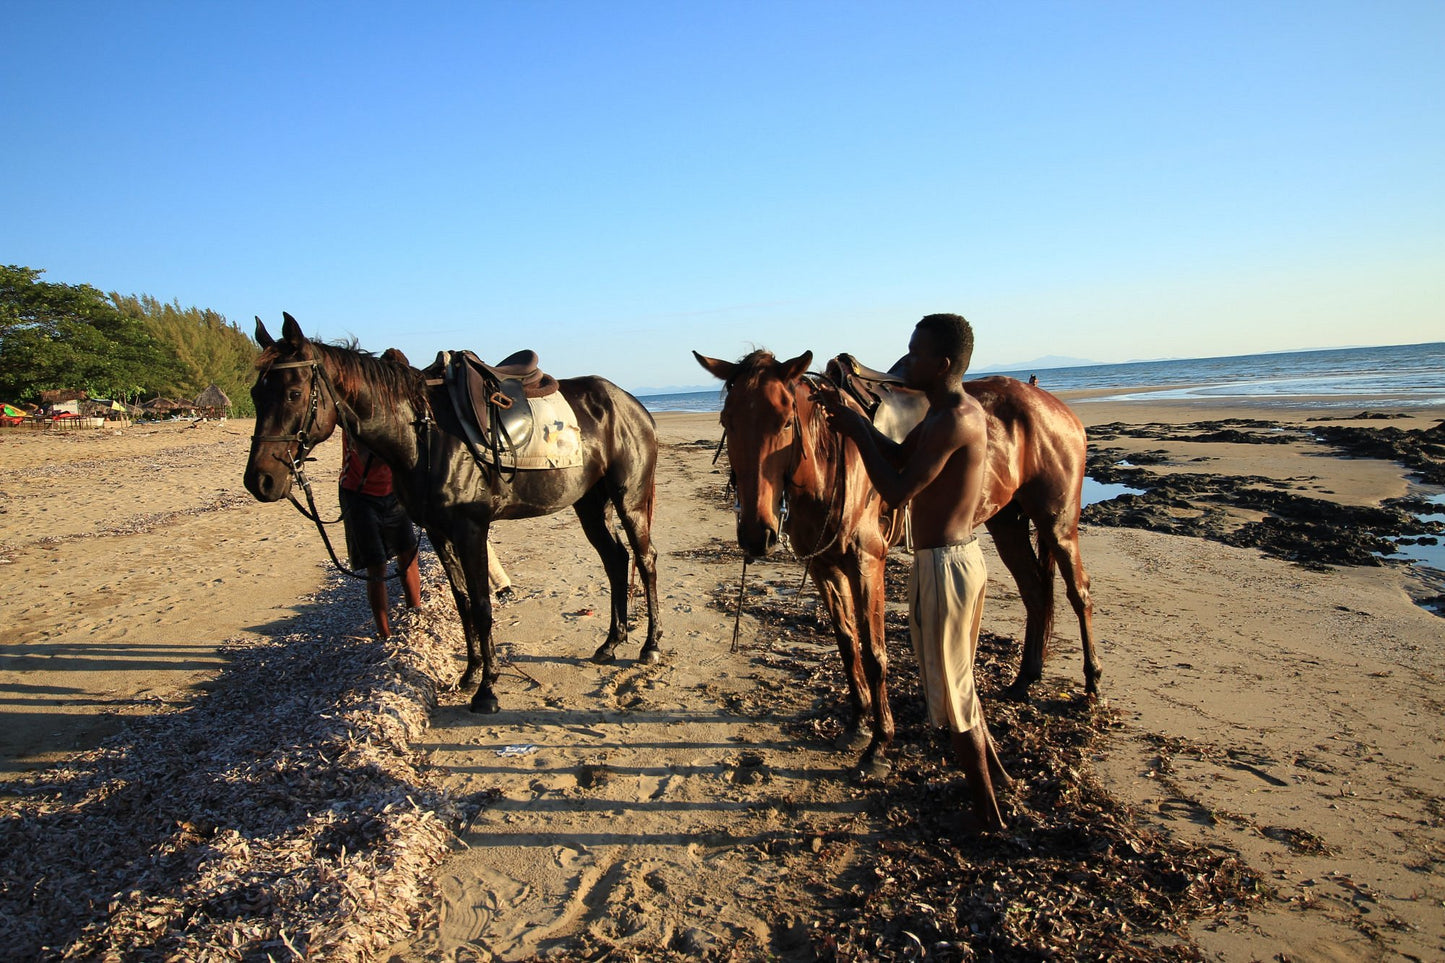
(841, 418)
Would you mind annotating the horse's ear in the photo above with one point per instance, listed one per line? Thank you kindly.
(797, 367)
(263, 337)
(718, 367)
(291, 331)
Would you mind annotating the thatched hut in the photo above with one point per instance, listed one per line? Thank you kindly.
(163, 407)
(213, 403)
(59, 396)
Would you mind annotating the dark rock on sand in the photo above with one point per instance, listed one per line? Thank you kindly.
(1300, 528)
(1419, 449)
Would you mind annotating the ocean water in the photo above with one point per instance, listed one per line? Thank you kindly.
(1398, 376)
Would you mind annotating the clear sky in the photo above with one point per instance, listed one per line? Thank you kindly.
(616, 183)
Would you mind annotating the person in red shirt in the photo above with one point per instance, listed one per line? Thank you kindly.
(377, 527)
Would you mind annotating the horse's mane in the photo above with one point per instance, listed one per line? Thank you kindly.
(750, 367)
(359, 373)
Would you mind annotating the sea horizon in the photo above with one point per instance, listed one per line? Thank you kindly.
(1391, 375)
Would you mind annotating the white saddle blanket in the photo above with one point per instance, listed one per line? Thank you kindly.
(556, 440)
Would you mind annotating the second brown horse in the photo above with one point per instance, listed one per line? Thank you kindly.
(779, 446)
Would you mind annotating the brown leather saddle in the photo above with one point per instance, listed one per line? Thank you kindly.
(894, 408)
(490, 400)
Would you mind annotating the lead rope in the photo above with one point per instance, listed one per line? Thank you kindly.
(738, 612)
(299, 472)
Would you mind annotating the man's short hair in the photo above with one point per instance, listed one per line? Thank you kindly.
(952, 335)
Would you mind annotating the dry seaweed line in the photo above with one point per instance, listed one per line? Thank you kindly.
(283, 814)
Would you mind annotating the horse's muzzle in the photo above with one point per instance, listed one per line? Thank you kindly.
(267, 486)
(757, 541)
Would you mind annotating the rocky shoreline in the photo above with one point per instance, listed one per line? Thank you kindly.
(1270, 514)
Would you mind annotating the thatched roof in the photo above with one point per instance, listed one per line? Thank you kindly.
(213, 397)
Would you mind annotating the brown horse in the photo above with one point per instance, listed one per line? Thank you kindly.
(304, 389)
(780, 447)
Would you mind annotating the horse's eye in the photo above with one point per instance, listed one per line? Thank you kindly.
(293, 395)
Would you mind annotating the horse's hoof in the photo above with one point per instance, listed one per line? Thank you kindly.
(851, 737)
(650, 656)
(1018, 692)
(604, 655)
(873, 767)
(485, 705)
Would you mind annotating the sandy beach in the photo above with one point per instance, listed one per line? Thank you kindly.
(1282, 719)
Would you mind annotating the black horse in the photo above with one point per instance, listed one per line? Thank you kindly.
(304, 390)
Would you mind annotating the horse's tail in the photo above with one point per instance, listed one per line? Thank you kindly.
(1047, 563)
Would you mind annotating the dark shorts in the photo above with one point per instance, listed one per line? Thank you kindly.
(377, 528)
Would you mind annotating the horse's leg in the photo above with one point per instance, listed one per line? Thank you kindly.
(479, 587)
(1063, 540)
(869, 606)
(456, 577)
(1010, 531)
(591, 511)
(636, 517)
(837, 598)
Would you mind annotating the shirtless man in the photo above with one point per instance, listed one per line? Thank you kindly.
(938, 470)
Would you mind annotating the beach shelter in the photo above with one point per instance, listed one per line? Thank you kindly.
(213, 402)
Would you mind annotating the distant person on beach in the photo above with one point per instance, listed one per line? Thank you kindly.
(938, 471)
(1034, 380)
(377, 529)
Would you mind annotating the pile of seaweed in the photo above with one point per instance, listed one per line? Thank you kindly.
(1077, 874)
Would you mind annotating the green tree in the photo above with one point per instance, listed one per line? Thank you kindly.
(71, 336)
(207, 348)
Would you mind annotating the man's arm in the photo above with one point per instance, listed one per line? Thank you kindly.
(901, 471)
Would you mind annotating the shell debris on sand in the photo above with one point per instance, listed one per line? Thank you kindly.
(282, 813)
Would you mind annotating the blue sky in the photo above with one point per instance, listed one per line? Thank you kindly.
(615, 184)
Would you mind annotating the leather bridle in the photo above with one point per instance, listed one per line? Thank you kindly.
(796, 462)
(797, 455)
(302, 438)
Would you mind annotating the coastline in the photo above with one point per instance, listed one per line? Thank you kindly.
(1263, 708)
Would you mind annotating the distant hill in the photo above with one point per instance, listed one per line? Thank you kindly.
(674, 390)
(1041, 363)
